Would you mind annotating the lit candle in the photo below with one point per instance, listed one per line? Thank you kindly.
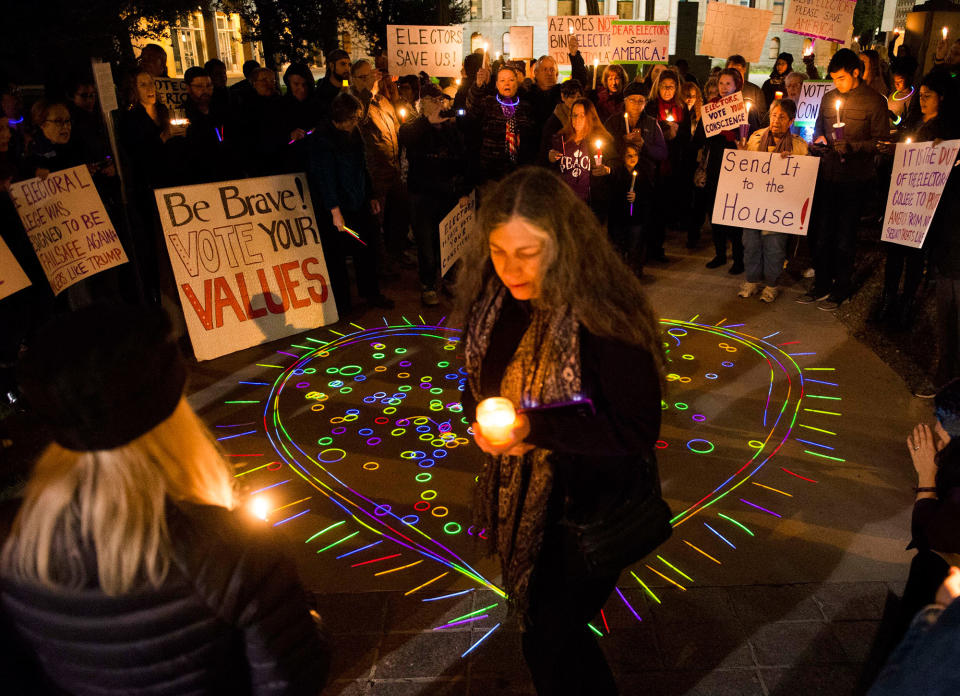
(626, 120)
(458, 81)
(670, 118)
(596, 64)
(908, 140)
(346, 84)
(498, 55)
(486, 55)
(496, 417)
(571, 29)
(633, 180)
(403, 113)
(260, 507)
(838, 110)
(599, 155)
(944, 32)
(778, 95)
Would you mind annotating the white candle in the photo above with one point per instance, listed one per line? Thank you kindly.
(599, 157)
(571, 29)
(596, 64)
(944, 32)
(403, 113)
(838, 110)
(496, 417)
(260, 507)
(626, 120)
(633, 180)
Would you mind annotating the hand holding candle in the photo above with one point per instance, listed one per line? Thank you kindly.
(633, 181)
(496, 417)
(598, 158)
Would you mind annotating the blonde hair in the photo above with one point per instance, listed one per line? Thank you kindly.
(114, 501)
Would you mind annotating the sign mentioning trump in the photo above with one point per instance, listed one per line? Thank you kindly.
(435, 50)
(765, 191)
(247, 259)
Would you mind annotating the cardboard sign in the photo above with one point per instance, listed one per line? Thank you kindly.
(765, 191)
(808, 105)
(436, 50)
(247, 259)
(593, 33)
(829, 20)
(106, 90)
(725, 114)
(920, 172)
(172, 93)
(730, 29)
(640, 42)
(455, 231)
(12, 277)
(521, 43)
(68, 226)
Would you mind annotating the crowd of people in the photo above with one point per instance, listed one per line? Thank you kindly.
(554, 317)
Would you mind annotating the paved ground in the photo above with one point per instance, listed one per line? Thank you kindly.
(775, 586)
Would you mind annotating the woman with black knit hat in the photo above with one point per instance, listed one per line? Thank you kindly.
(126, 570)
(777, 80)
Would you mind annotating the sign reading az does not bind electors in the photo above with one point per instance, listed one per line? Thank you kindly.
(593, 34)
(247, 259)
(920, 172)
(68, 226)
(765, 191)
(435, 50)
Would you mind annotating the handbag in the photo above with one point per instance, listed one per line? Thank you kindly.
(631, 531)
(700, 174)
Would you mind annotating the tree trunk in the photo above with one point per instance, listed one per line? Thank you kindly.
(593, 7)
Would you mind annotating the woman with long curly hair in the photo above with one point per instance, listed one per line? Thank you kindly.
(124, 569)
(559, 325)
(577, 149)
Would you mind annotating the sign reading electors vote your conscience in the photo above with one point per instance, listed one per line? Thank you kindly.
(920, 172)
(247, 260)
(593, 34)
(640, 42)
(730, 29)
(435, 50)
(455, 231)
(729, 112)
(12, 277)
(821, 19)
(68, 226)
(765, 191)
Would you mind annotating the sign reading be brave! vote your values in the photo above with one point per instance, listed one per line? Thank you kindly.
(435, 50)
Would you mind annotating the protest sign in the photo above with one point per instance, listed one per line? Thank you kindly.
(68, 226)
(247, 260)
(920, 172)
(820, 19)
(592, 32)
(106, 90)
(730, 29)
(455, 231)
(640, 42)
(435, 50)
(765, 191)
(521, 43)
(12, 277)
(808, 105)
(172, 93)
(725, 114)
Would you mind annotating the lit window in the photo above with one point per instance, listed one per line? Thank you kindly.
(187, 42)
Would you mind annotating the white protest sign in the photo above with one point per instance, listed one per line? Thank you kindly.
(920, 172)
(455, 231)
(247, 259)
(68, 226)
(436, 50)
(106, 90)
(12, 277)
(730, 29)
(172, 93)
(640, 42)
(521, 42)
(821, 19)
(729, 112)
(808, 105)
(592, 32)
(765, 191)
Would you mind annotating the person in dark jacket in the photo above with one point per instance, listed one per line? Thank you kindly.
(126, 569)
(217, 70)
(557, 324)
(437, 156)
(331, 84)
(777, 80)
(570, 91)
(544, 94)
(630, 199)
(300, 115)
(262, 140)
(343, 197)
(243, 90)
(508, 132)
(206, 156)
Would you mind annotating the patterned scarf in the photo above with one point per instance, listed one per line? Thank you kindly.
(511, 135)
(513, 491)
(767, 141)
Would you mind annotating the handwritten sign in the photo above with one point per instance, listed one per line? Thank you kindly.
(593, 34)
(521, 43)
(829, 20)
(12, 277)
(640, 42)
(455, 231)
(172, 93)
(247, 259)
(808, 105)
(435, 50)
(68, 226)
(730, 29)
(729, 112)
(765, 191)
(106, 90)
(920, 172)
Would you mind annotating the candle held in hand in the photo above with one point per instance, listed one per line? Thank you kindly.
(599, 156)
(944, 32)
(596, 64)
(778, 94)
(403, 113)
(626, 120)
(839, 103)
(496, 417)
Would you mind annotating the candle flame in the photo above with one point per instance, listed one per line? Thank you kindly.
(909, 140)
(260, 507)
(599, 144)
(944, 30)
(570, 28)
(403, 112)
(670, 116)
(486, 47)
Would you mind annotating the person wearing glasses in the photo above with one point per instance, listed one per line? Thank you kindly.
(51, 148)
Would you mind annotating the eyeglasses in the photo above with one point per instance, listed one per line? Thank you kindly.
(87, 95)
(59, 121)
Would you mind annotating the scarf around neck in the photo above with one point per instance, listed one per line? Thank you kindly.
(766, 142)
(513, 491)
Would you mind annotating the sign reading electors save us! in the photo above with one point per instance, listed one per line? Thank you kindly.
(68, 226)
(247, 260)
(920, 172)
(829, 20)
(593, 34)
(435, 50)
(640, 42)
(726, 113)
(765, 191)
(455, 231)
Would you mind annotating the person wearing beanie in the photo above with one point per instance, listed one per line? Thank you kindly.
(777, 80)
(125, 568)
(336, 79)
